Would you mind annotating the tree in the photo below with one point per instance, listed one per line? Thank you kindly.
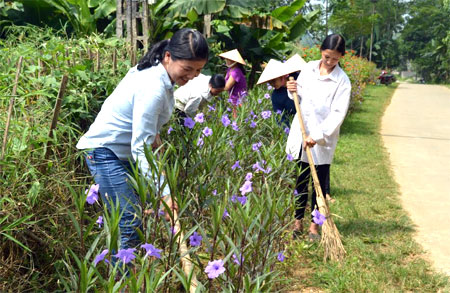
(425, 39)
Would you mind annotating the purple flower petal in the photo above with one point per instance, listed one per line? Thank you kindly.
(207, 131)
(92, 196)
(215, 268)
(281, 256)
(225, 120)
(246, 188)
(195, 239)
(151, 250)
(99, 221)
(189, 123)
(126, 255)
(199, 118)
(101, 257)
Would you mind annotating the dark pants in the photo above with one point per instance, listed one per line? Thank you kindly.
(301, 198)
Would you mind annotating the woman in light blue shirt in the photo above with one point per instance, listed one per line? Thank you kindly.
(132, 116)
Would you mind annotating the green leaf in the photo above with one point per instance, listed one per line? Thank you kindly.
(285, 13)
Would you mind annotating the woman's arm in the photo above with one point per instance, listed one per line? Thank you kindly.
(230, 83)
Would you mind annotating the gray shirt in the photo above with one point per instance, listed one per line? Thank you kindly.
(132, 115)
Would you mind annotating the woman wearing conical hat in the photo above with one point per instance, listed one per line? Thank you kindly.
(236, 84)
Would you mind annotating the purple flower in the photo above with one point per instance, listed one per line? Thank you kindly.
(214, 268)
(246, 188)
(231, 144)
(99, 221)
(256, 146)
(195, 239)
(235, 126)
(266, 114)
(318, 218)
(225, 214)
(169, 130)
(126, 255)
(214, 192)
(173, 230)
(237, 260)
(161, 212)
(151, 250)
(248, 177)
(242, 199)
(235, 166)
(233, 198)
(189, 123)
(267, 96)
(281, 256)
(101, 257)
(295, 192)
(207, 131)
(252, 124)
(269, 87)
(246, 120)
(200, 141)
(287, 130)
(279, 112)
(211, 108)
(199, 118)
(92, 196)
(259, 101)
(228, 109)
(225, 120)
(258, 167)
(289, 157)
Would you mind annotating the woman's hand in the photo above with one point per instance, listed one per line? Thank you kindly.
(292, 86)
(309, 142)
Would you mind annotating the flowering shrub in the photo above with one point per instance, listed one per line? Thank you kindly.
(234, 197)
(359, 70)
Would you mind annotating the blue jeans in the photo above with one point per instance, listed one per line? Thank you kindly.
(111, 174)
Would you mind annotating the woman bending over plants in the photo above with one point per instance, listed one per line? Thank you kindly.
(131, 118)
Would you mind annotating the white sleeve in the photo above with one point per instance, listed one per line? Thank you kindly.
(146, 109)
(339, 107)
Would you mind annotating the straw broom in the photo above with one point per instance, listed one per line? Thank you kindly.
(186, 262)
(331, 239)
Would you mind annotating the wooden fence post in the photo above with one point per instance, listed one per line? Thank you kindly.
(56, 110)
(10, 109)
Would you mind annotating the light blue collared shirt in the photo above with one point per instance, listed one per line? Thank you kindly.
(132, 115)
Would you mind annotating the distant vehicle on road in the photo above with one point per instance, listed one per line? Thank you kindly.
(386, 78)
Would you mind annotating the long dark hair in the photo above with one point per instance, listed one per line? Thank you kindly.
(185, 44)
(334, 42)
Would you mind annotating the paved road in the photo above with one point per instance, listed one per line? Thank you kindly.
(416, 133)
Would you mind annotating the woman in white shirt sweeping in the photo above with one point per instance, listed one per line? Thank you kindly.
(324, 93)
(132, 116)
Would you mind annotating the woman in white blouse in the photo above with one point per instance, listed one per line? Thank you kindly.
(324, 93)
(131, 118)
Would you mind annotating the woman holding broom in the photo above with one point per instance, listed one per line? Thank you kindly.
(131, 118)
(324, 92)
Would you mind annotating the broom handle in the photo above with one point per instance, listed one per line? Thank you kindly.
(308, 151)
(186, 262)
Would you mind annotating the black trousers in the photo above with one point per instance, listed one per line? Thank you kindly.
(323, 172)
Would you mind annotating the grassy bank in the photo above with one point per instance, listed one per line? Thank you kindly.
(377, 233)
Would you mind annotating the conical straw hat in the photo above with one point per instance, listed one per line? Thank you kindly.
(272, 70)
(276, 69)
(233, 55)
